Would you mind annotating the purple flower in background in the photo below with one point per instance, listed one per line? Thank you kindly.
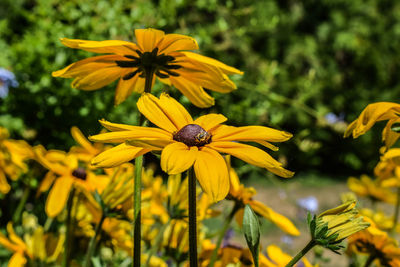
(332, 118)
(309, 203)
(7, 79)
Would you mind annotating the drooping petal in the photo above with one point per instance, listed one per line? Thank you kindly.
(165, 112)
(210, 61)
(138, 133)
(46, 182)
(388, 136)
(147, 39)
(278, 219)
(118, 155)
(250, 133)
(98, 78)
(105, 47)
(178, 157)
(17, 260)
(370, 115)
(210, 121)
(176, 42)
(193, 92)
(126, 87)
(81, 139)
(252, 155)
(86, 66)
(212, 173)
(58, 196)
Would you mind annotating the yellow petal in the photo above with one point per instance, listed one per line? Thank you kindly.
(98, 78)
(55, 167)
(250, 133)
(370, 115)
(126, 87)
(147, 39)
(210, 61)
(212, 173)
(177, 158)
(193, 92)
(117, 126)
(17, 260)
(388, 136)
(278, 256)
(176, 42)
(14, 238)
(166, 113)
(86, 66)
(58, 196)
(118, 155)
(356, 186)
(4, 186)
(210, 121)
(150, 143)
(252, 155)
(278, 219)
(106, 47)
(81, 140)
(138, 133)
(46, 182)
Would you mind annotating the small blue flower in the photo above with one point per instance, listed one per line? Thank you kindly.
(7, 79)
(309, 203)
(332, 118)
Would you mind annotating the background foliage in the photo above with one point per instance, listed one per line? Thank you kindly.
(302, 61)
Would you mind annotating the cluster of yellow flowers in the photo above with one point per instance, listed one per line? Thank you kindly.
(96, 197)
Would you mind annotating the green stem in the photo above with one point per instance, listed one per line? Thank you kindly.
(92, 243)
(48, 223)
(192, 218)
(370, 260)
(157, 242)
(222, 234)
(137, 190)
(302, 253)
(396, 211)
(21, 205)
(68, 239)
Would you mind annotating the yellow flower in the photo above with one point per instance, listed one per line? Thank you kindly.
(339, 222)
(185, 142)
(64, 173)
(277, 258)
(379, 218)
(38, 245)
(376, 244)
(155, 53)
(13, 154)
(366, 187)
(243, 195)
(380, 111)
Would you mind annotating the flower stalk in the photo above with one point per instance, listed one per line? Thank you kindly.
(222, 234)
(137, 232)
(192, 218)
(68, 239)
(302, 253)
(92, 243)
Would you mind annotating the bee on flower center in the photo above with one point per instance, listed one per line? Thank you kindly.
(193, 135)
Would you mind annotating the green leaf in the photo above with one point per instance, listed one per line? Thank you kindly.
(251, 230)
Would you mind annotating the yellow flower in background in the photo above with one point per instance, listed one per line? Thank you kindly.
(366, 187)
(13, 154)
(379, 219)
(64, 174)
(36, 246)
(277, 258)
(86, 151)
(185, 142)
(165, 56)
(381, 111)
(244, 195)
(388, 168)
(377, 244)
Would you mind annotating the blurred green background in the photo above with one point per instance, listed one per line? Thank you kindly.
(310, 67)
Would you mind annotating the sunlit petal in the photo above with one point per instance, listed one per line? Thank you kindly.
(118, 155)
(147, 39)
(178, 157)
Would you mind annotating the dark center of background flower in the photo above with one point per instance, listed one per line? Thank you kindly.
(161, 65)
(79, 173)
(193, 135)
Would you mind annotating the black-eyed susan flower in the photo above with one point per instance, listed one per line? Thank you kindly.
(375, 243)
(64, 174)
(381, 111)
(185, 142)
(244, 195)
(13, 154)
(373, 189)
(156, 54)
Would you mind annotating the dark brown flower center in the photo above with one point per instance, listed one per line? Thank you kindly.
(79, 173)
(193, 135)
(161, 65)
